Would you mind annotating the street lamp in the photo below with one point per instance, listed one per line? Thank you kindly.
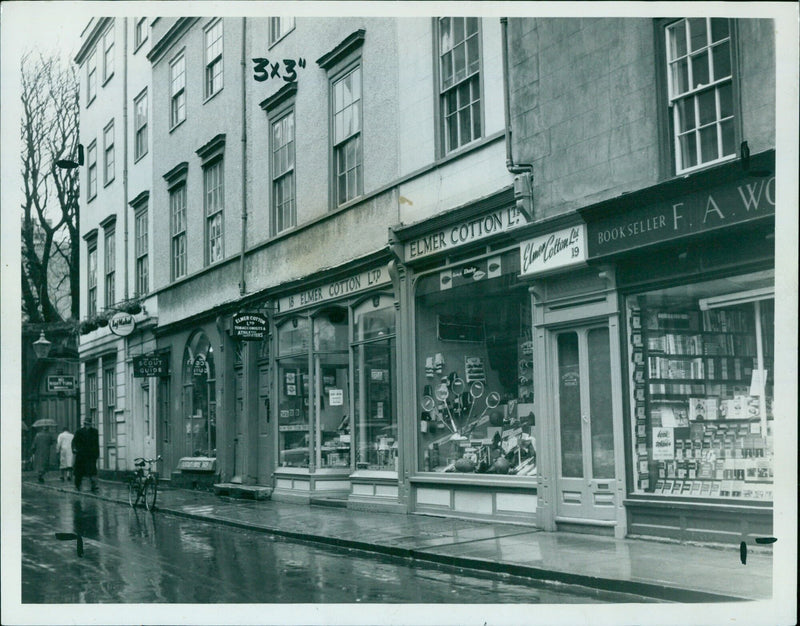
(42, 346)
(69, 164)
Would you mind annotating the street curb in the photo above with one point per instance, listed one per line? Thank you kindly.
(648, 590)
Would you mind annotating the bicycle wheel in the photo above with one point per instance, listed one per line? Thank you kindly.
(150, 493)
(133, 492)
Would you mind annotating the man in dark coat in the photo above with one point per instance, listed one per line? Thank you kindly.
(42, 447)
(86, 447)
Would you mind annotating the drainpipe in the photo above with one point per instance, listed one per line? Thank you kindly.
(125, 150)
(242, 286)
(523, 181)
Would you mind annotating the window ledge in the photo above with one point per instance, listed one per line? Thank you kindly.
(107, 79)
(211, 97)
(136, 159)
(177, 125)
(88, 104)
(703, 166)
(281, 38)
(108, 182)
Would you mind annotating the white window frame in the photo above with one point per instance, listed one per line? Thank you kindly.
(110, 401)
(177, 202)
(141, 251)
(91, 278)
(472, 78)
(91, 395)
(213, 59)
(279, 27)
(108, 53)
(283, 172)
(91, 78)
(214, 204)
(91, 171)
(177, 97)
(110, 264)
(108, 153)
(341, 141)
(140, 33)
(693, 93)
(140, 139)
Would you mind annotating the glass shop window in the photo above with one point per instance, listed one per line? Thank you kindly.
(199, 397)
(331, 382)
(701, 363)
(374, 384)
(474, 370)
(294, 414)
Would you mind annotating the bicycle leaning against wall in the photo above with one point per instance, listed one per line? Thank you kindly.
(144, 483)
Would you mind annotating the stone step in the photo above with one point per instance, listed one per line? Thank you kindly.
(235, 490)
(334, 502)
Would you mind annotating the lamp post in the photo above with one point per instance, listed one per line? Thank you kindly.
(42, 346)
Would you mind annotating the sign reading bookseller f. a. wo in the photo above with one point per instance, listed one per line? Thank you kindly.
(714, 208)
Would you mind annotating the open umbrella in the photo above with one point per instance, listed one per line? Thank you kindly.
(43, 423)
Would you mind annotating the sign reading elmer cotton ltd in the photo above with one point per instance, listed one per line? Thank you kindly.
(336, 289)
(563, 248)
(456, 235)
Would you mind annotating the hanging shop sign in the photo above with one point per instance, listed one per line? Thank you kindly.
(60, 383)
(121, 324)
(737, 202)
(147, 365)
(554, 251)
(336, 289)
(462, 233)
(250, 326)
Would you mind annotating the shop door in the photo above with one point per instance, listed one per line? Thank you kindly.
(331, 406)
(238, 418)
(585, 485)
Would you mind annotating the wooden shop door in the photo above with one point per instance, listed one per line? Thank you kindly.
(585, 481)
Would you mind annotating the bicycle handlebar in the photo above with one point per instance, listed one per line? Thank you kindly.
(141, 460)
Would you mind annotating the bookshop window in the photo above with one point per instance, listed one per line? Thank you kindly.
(375, 384)
(475, 370)
(702, 388)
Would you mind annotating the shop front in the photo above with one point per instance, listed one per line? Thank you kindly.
(693, 266)
(335, 381)
(468, 363)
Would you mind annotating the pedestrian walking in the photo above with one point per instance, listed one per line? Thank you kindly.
(42, 446)
(64, 449)
(86, 448)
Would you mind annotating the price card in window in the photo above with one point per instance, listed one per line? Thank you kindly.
(335, 397)
(663, 444)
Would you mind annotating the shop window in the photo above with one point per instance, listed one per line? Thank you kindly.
(475, 370)
(701, 91)
(199, 397)
(91, 395)
(294, 414)
(164, 408)
(702, 389)
(375, 385)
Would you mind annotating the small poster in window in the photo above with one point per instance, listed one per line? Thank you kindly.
(291, 390)
(335, 397)
(473, 366)
(663, 444)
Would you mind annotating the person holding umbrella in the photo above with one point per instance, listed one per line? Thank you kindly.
(43, 444)
(86, 448)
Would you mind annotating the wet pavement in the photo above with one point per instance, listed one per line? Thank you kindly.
(666, 571)
(134, 556)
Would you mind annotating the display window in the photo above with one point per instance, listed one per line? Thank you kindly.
(701, 381)
(199, 397)
(474, 369)
(374, 384)
(294, 414)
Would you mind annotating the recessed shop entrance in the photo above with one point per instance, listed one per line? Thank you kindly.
(585, 488)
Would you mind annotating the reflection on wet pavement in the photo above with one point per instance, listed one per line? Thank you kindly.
(139, 557)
